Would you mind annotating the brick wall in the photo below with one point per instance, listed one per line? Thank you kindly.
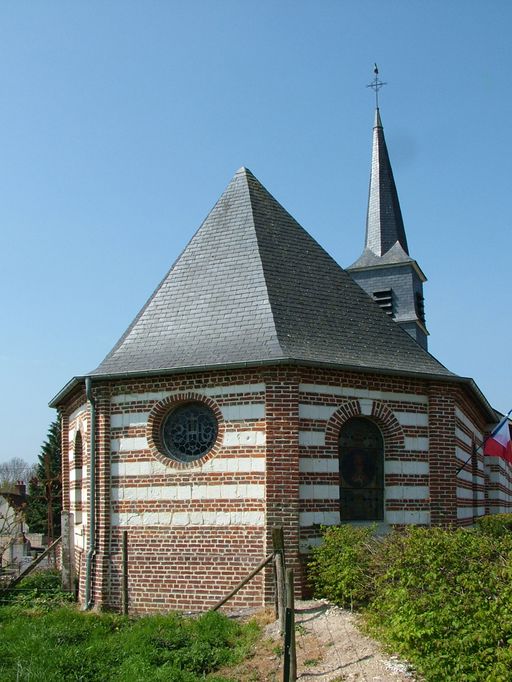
(400, 409)
(282, 455)
(195, 530)
(442, 455)
(471, 484)
(75, 463)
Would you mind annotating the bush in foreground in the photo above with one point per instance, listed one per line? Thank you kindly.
(442, 599)
(342, 567)
(495, 524)
(445, 602)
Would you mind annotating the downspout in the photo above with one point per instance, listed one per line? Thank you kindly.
(92, 494)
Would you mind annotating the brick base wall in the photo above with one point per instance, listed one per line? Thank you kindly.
(186, 569)
(195, 530)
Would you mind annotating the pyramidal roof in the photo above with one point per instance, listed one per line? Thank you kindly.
(385, 241)
(252, 287)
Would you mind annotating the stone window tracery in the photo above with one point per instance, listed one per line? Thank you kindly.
(189, 432)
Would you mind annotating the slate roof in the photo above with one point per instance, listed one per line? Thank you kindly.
(386, 242)
(253, 286)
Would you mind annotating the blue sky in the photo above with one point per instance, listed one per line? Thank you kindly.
(121, 123)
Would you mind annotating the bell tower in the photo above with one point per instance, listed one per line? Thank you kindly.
(385, 270)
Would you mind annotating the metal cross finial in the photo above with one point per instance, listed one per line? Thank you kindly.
(376, 85)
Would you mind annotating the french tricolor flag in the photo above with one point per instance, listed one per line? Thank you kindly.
(499, 443)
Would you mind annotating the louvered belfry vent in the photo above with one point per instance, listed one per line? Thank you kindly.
(384, 299)
(420, 307)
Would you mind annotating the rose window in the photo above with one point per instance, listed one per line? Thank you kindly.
(189, 432)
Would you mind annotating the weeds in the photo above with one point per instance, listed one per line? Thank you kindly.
(43, 639)
(311, 662)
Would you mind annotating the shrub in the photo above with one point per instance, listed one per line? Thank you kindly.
(342, 568)
(441, 598)
(445, 602)
(495, 524)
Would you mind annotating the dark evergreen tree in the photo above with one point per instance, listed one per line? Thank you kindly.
(45, 488)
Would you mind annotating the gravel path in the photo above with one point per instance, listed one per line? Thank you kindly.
(330, 647)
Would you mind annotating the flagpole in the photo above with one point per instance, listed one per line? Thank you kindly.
(495, 430)
(471, 456)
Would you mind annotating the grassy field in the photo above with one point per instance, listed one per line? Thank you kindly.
(45, 639)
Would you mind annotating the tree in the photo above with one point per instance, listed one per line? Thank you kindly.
(14, 470)
(45, 489)
(11, 527)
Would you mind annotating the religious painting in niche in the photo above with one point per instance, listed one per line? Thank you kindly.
(361, 459)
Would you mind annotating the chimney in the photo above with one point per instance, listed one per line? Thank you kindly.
(20, 489)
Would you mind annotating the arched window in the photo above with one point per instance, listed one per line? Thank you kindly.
(76, 482)
(361, 458)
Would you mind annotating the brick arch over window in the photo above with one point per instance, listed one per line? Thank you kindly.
(371, 409)
(363, 453)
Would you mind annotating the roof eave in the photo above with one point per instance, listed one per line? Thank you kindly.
(378, 266)
(416, 320)
(76, 381)
(65, 390)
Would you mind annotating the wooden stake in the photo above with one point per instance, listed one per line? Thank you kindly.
(290, 652)
(278, 541)
(279, 573)
(280, 590)
(274, 577)
(251, 575)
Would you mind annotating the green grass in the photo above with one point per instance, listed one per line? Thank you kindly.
(44, 641)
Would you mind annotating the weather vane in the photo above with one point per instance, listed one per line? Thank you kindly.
(376, 85)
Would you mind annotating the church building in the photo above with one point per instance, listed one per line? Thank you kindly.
(262, 385)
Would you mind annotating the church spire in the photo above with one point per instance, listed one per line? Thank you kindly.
(384, 223)
(385, 270)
